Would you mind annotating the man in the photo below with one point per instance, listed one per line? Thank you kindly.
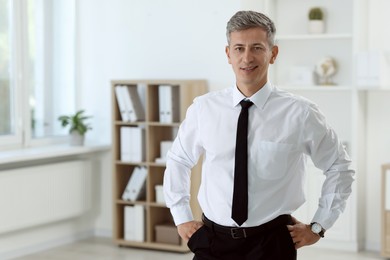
(255, 139)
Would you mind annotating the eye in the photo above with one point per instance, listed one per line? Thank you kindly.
(258, 48)
(238, 49)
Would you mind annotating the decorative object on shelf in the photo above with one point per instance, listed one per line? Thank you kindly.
(159, 194)
(302, 76)
(372, 68)
(78, 126)
(325, 69)
(166, 233)
(165, 145)
(316, 22)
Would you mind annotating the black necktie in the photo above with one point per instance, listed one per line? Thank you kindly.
(240, 192)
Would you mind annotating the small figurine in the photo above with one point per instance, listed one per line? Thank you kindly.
(325, 69)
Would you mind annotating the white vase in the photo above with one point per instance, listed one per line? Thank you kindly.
(76, 139)
(316, 26)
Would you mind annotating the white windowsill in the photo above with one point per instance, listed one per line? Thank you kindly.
(47, 152)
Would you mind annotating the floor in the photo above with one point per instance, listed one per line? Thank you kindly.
(104, 249)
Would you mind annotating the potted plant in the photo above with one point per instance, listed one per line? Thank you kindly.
(78, 126)
(316, 22)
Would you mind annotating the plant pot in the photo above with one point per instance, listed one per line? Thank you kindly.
(316, 26)
(76, 139)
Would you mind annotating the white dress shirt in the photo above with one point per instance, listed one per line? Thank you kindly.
(283, 130)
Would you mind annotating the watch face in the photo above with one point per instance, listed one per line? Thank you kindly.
(316, 228)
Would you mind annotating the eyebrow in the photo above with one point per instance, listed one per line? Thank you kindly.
(254, 44)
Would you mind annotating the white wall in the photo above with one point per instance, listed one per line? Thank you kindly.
(378, 125)
(41, 236)
(122, 39)
(137, 39)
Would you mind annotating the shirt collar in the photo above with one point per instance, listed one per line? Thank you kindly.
(259, 98)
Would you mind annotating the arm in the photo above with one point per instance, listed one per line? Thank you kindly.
(328, 154)
(301, 234)
(186, 230)
(183, 155)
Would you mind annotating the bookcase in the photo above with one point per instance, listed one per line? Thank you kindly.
(344, 104)
(155, 132)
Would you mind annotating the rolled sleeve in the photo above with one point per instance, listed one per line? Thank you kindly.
(329, 155)
(183, 155)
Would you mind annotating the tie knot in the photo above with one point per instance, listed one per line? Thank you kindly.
(246, 103)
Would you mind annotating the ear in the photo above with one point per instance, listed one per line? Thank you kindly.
(275, 51)
(227, 51)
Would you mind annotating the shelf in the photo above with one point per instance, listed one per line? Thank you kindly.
(118, 162)
(157, 205)
(125, 202)
(368, 88)
(155, 133)
(332, 88)
(121, 123)
(317, 88)
(154, 164)
(164, 124)
(336, 36)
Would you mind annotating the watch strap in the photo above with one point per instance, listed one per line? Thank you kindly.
(321, 233)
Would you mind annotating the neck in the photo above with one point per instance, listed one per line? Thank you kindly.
(249, 90)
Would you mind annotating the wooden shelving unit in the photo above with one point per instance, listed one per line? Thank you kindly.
(155, 213)
(385, 249)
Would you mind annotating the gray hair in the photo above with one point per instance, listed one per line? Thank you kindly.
(243, 20)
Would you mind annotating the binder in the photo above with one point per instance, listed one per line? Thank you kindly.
(135, 188)
(134, 228)
(137, 144)
(169, 103)
(121, 104)
(132, 144)
(129, 232)
(162, 103)
(125, 144)
(139, 222)
(133, 103)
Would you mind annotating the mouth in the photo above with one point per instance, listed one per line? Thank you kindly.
(248, 69)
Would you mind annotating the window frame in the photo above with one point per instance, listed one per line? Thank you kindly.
(20, 89)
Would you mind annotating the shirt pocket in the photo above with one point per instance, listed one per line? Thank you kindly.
(272, 159)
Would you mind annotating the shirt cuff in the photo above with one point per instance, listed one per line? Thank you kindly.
(325, 218)
(181, 214)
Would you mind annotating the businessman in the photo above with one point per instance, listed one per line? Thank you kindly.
(255, 140)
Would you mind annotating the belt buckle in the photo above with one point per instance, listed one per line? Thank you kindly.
(235, 234)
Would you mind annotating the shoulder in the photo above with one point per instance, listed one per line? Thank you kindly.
(215, 97)
(291, 99)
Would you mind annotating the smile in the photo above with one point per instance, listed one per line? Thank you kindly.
(249, 68)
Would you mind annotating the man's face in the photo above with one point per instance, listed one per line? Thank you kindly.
(250, 55)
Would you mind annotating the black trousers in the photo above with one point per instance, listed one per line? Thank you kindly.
(271, 244)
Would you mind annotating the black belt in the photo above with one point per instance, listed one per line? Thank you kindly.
(243, 232)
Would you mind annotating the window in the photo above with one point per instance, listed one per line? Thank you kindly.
(6, 122)
(37, 69)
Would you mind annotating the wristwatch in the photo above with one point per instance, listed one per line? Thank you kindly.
(316, 228)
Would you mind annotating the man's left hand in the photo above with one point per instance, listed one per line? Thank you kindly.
(301, 234)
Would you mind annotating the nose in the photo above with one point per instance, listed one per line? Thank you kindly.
(247, 56)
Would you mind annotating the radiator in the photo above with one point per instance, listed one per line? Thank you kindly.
(43, 194)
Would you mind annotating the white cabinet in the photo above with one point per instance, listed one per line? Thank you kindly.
(341, 107)
(343, 104)
(298, 48)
